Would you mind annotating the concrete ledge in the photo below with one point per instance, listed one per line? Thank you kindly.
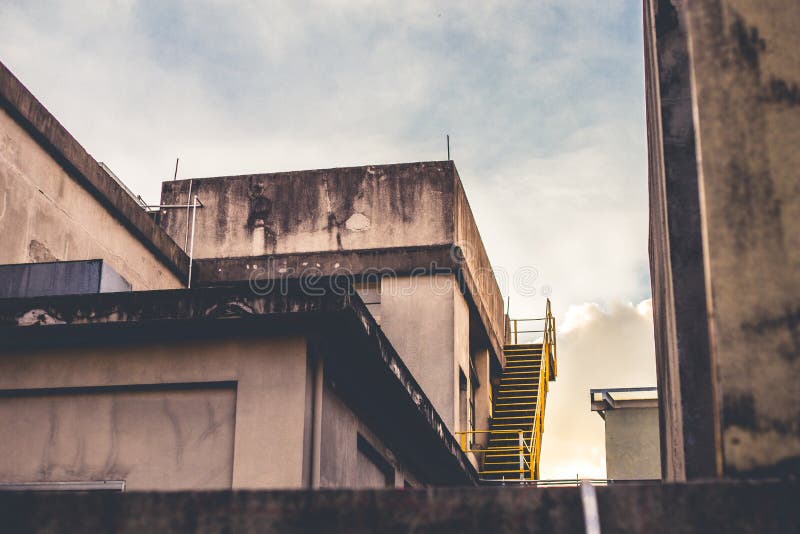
(368, 368)
(712, 507)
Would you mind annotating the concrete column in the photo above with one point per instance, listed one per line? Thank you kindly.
(725, 200)
(483, 398)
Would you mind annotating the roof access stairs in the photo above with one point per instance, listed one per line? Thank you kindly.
(516, 426)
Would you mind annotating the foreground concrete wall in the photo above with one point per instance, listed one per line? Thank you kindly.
(632, 444)
(212, 414)
(676, 252)
(729, 373)
(48, 216)
(746, 73)
(652, 509)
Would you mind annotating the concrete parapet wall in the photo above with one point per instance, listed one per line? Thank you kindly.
(714, 507)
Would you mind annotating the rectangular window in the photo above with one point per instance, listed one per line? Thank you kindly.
(81, 485)
(472, 405)
(463, 404)
(374, 471)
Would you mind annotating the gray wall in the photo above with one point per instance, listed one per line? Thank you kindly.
(632, 443)
(342, 464)
(727, 342)
(311, 211)
(177, 418)
(166, 439)
(346, 209)
(418, 315)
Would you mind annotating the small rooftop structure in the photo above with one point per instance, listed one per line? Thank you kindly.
(605, 399)
(632, 437)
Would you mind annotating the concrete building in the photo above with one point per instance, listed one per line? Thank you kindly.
(326, 328)
(722, 128)
(633, 449)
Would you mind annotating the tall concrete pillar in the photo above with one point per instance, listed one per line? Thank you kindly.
(723, 113)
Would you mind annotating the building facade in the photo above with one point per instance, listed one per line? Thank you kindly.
(326, 328)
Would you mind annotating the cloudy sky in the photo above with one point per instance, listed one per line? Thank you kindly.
(543, 100)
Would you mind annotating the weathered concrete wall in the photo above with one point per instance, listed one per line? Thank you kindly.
(676, 252)
(391, 218)
(483, 398)
(746, 73)
(418, 318)
(739, 69)
(342, 464)
(460, 362)
(632, 444)
(92, 426)
(152, 438)
(653, 509)
(311, 211)
(338, 327)
(48, 216)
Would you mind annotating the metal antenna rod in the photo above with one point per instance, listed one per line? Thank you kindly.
(175, 176)
(191, 243)
(448, 147)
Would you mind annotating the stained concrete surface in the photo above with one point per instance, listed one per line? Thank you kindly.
(632, 444)
(93, 427)
(723, 115)
(741, 507)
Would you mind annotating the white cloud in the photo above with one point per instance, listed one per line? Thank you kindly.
(597, 348)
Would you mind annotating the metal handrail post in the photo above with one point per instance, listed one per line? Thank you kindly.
(521, 456)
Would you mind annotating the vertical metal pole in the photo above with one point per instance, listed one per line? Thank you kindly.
(448, 147)
(521, 457)
(188, 207)
(591, 512)
(191, 241)
(175, 176)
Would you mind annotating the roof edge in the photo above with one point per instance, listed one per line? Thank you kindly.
(51, 135)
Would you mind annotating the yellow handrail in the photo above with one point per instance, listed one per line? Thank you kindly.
(548, 358)
(530, 449)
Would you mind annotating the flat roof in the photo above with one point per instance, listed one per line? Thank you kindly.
(605, 399)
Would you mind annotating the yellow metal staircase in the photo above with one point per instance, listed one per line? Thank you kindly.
(513, 415)
(517, 422)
